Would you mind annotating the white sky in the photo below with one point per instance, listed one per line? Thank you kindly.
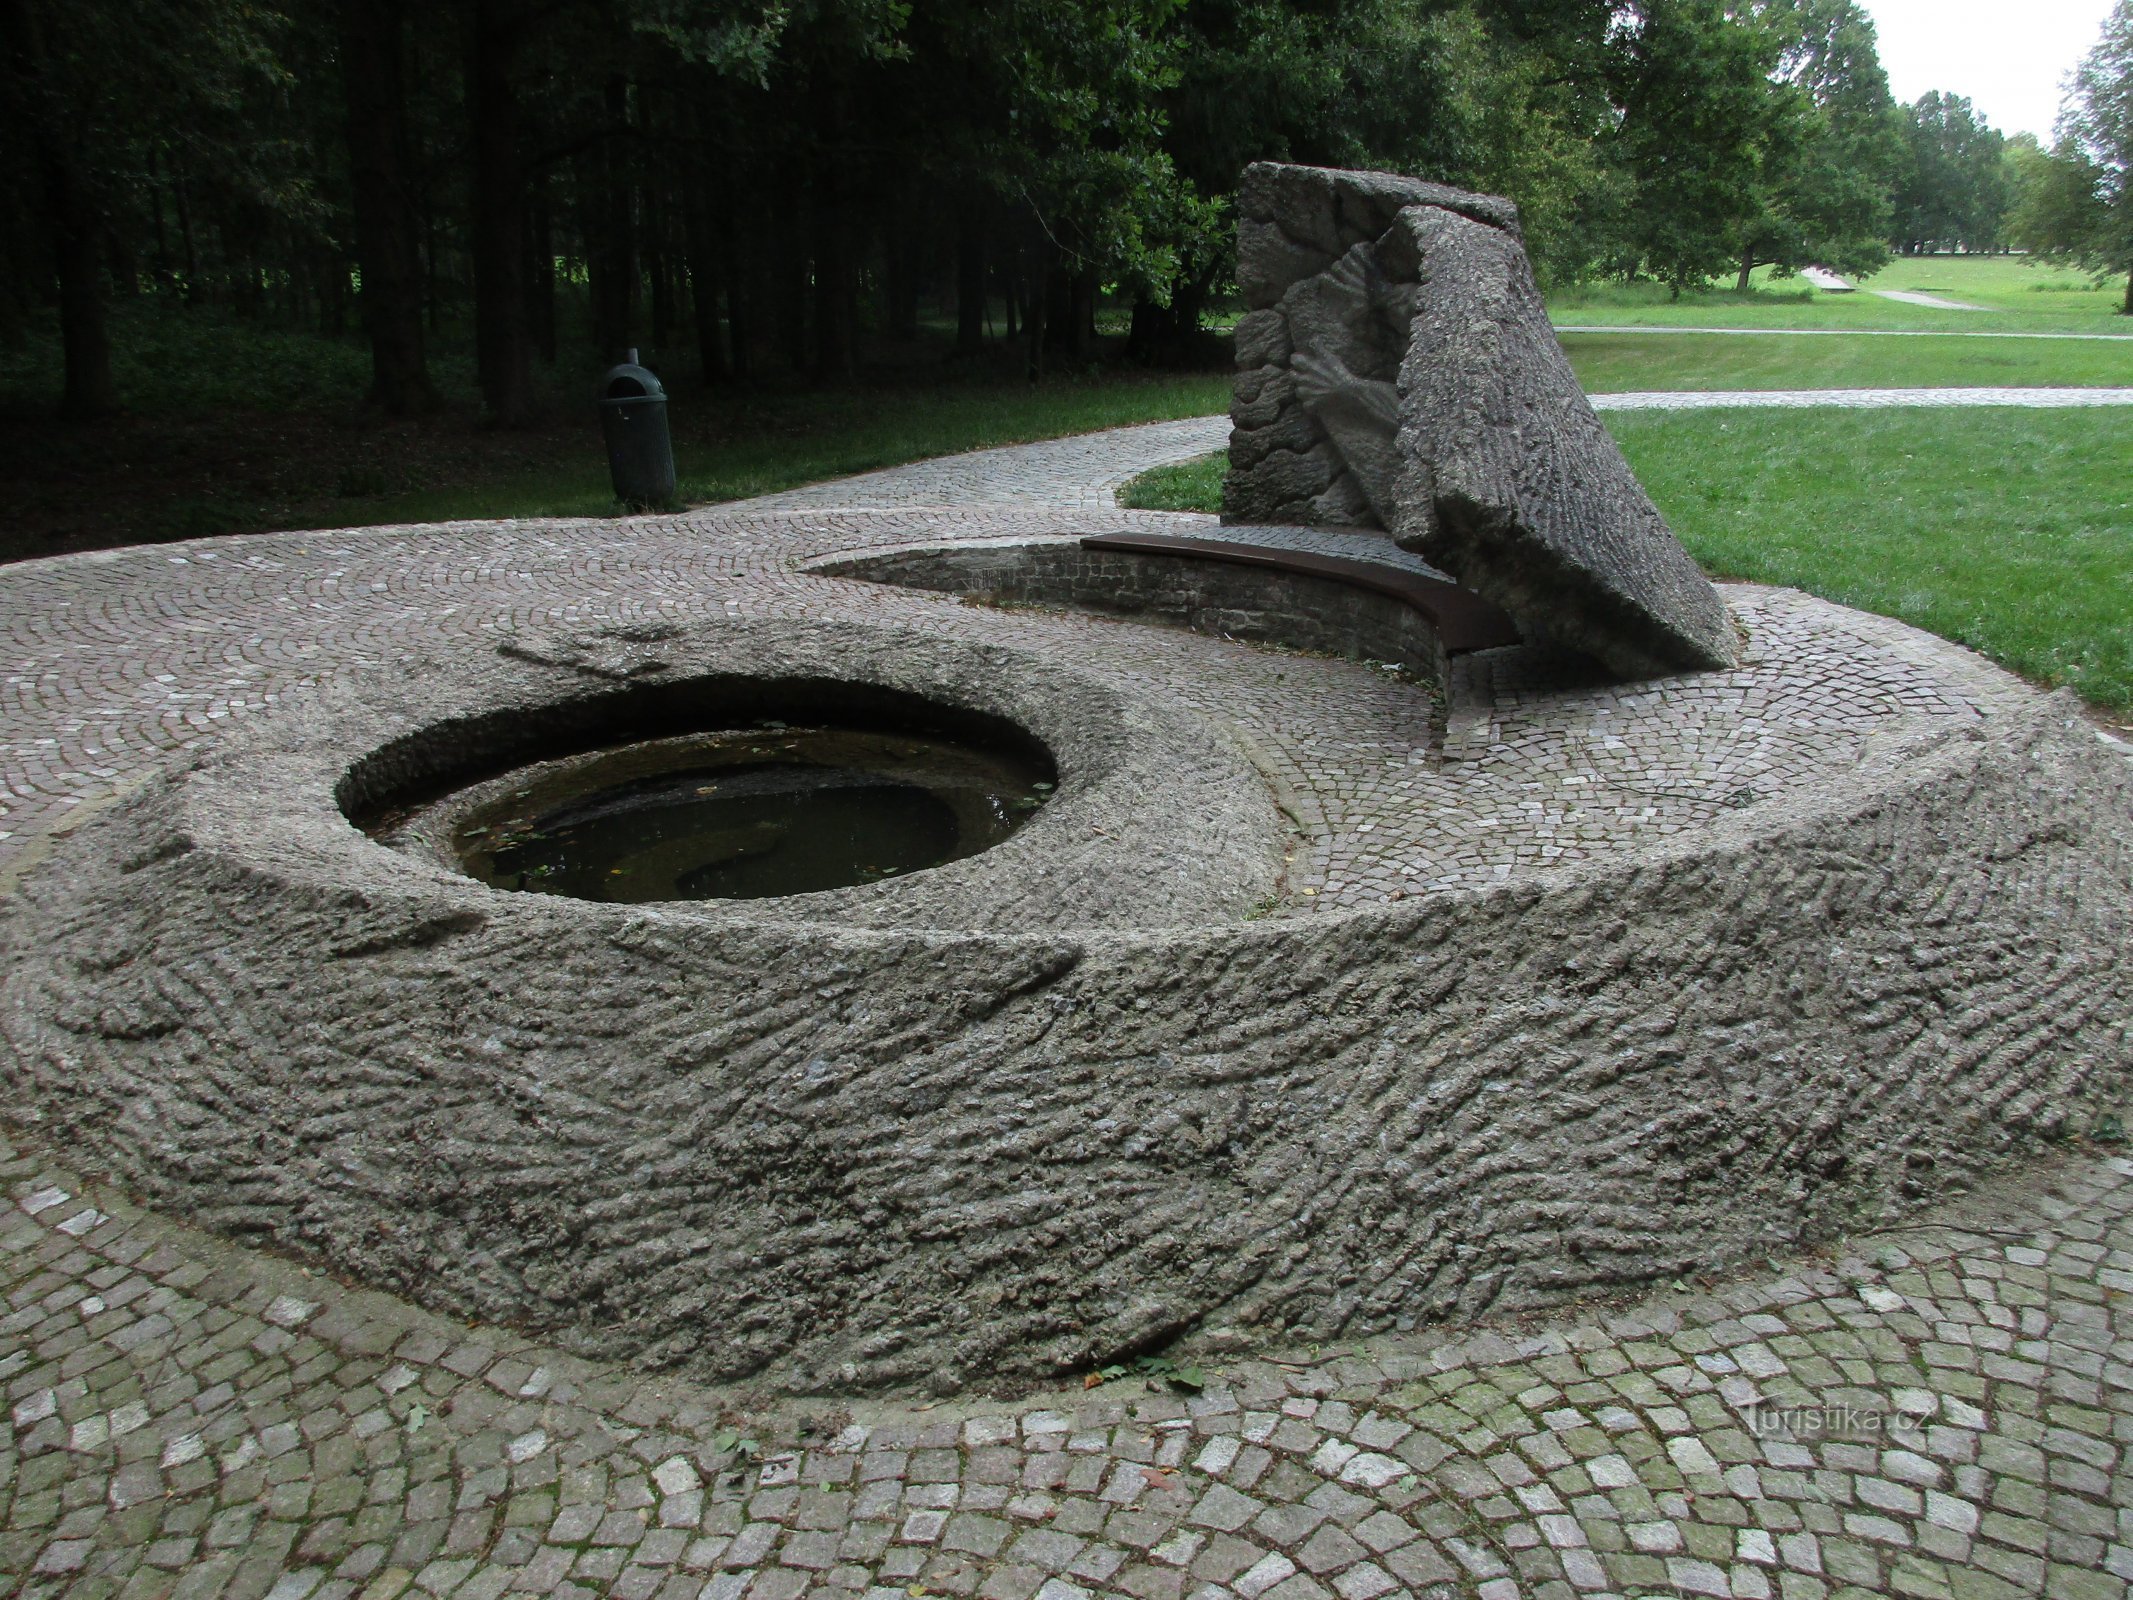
(2008, 56)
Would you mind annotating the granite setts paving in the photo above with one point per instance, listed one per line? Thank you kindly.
(1941, 1412)
(1079, 473)
(1933, 1411)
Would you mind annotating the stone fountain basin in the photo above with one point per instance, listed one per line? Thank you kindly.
(1068, 1099)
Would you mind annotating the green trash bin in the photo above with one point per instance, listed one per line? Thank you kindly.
(633, 421)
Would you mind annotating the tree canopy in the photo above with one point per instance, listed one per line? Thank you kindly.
(785, 184)
(2097, 152)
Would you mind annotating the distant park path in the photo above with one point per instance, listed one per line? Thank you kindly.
(1912, 297)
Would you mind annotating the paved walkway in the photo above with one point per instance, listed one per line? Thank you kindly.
(1912, 297)
(1082, 472)
(1938, 1410)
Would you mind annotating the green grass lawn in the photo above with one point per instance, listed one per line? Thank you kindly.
(2019, 296)
(2008, 531)
(170, 361)
(1610, 363)
(1194, 485)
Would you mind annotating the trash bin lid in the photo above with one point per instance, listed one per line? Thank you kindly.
(628, 382)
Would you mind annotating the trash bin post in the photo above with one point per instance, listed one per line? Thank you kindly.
(640, 449)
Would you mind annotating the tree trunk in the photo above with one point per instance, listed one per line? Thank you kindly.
(498, 237)
(14, 315)
(789, 291)
(2127, 308)
(658, 270)
(90, 391)
(370, 35)
(1069, 310)
(970, 280)
(1035, 312)
(70, 216)
(743, 277)
(900, 241)
(836, 292)
(703, 306)
(182, 198)
(1747, 266)
(658, 259)
(609, 254)
(126, 265)
(540, 267)
(18, 276)
(706, 274)
(1170, 336)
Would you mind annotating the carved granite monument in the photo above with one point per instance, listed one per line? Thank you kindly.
(1396, 370)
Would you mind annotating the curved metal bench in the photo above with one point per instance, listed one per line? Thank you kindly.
(1463, 620)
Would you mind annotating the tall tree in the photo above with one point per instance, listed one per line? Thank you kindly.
(1836, 146)
(2099, 126)
(2056, 210)
(45, 99)
(1954, 189)
(94, 91)
(373, 85)
(503, 360)
(1695, 129)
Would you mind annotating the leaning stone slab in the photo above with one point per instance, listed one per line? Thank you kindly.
(1396, 370)
(1308, 269)
(1510, 483)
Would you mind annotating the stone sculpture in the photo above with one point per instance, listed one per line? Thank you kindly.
(1396, 370)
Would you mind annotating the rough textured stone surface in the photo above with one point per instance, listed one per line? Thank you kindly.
(1069, 1101)
(1297, 221)
(1313, 282)
(1396, 370)
(1511, 483)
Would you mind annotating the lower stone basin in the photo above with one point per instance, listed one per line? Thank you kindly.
(744, 814)
(1683, 970)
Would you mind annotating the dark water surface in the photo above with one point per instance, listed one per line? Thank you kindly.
(749, 814)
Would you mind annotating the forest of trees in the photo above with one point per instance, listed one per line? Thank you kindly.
(781, 184)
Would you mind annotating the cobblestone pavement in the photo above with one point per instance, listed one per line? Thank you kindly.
(113, 660)
(1079, 473)
(1937, 1411)
(1940, 1412)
